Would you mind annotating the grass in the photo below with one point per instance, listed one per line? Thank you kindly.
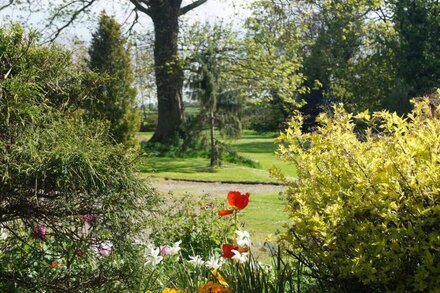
(265, 213)
(264, 216)
(260, 147)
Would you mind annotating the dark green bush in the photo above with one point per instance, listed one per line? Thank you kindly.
(65, 190)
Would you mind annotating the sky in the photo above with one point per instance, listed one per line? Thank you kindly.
(211, 11)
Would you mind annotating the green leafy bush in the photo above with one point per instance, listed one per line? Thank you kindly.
(364, 210)
(71, 205)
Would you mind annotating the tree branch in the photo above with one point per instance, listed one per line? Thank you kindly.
(138, 5)
(7, 5)
(191, 6)
(75, 14)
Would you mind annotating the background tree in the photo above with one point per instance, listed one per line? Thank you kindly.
(271, 64)
(210, 56)
(417, 24)
(351, 51)
(115, 100)
(169, 75)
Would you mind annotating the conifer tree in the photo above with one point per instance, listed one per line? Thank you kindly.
(115, 99)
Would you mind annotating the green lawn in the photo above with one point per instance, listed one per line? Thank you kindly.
(260, 147)
(265, 213)
(264, 216)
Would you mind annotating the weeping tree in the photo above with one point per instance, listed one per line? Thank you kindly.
(165, 15)
(220, 105)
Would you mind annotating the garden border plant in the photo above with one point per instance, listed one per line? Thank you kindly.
(71, 203)
(364, 210)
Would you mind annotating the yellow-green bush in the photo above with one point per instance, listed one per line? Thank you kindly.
(364, 210)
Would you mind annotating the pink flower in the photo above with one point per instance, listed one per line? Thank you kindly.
(39, 232)
(165, 250)
(89, 218)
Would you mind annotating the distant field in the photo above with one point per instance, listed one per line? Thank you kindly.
(260, 147)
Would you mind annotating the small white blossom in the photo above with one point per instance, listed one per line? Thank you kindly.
(267, 268)
(214, 263)
(197, 261)
(240, 257)
(3, 234)
(175, 248)
(243, 238)
(154, 257)
(104, 248)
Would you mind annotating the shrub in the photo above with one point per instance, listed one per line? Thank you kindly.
(364, 210)
(71, 205)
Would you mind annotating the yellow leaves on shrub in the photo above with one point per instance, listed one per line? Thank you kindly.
(365, 206)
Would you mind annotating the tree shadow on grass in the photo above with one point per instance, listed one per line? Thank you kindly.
(255, 147)
(178, 165)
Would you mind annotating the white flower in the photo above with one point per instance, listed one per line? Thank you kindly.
(240, 257)
(196, 260)
(154, 257)
(150, 246)
(104, 248)
(214, 263)
(3, 234)
(243, 238)
(176, 248)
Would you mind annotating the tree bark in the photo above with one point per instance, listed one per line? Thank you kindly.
(213, 148)
(169, 73)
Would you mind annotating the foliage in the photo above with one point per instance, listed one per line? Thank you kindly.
(194, 221)
(115, 99)
(220, 103)
(418, 50)
(271, 69)
(364, 211)
(232, 269)
(264, 117)
(71, 204)
(372, 54)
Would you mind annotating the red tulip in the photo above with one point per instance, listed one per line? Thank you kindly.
(237, 200)
(227, 250)
(225, 212)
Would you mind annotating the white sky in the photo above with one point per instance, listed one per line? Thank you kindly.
(213, 10)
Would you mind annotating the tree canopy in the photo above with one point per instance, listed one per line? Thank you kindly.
(115, 99)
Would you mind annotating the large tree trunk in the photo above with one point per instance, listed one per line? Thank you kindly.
(169, 74)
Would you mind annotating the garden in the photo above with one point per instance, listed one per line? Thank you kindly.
(292, 147)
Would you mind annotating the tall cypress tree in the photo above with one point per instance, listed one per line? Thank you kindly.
(115, 99)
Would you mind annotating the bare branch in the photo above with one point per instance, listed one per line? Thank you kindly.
(140, 7)
(74, 16)
(191, 6)
(134, 22)
(7, 5)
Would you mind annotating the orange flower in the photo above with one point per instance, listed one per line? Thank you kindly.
(225, 212)
(55, 264)
(237, 200)
(227, 250)
(212, 287)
